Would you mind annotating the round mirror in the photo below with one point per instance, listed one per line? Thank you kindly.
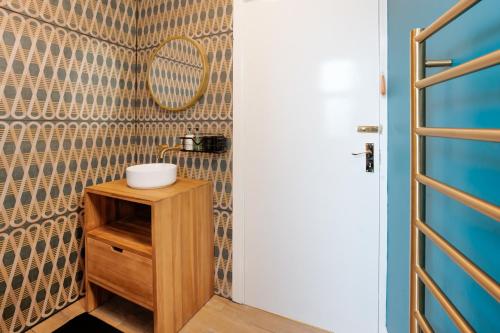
(178, 73)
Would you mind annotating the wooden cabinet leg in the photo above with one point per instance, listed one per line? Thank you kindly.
(95, 296)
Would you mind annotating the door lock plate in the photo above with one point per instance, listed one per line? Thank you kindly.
(370, 157)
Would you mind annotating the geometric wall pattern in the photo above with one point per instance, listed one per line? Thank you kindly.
(210, 23)
(75, 111)
(112, 21)
(181, 51)
(41, 270)
(195, 19)
(44, 166)
(172, 82)
(50, 73)
(215, 105)
(67, 87)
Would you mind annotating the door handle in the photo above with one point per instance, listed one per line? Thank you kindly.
(370, 157)
(357, 154)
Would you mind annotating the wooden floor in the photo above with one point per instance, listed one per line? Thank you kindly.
(219, 315)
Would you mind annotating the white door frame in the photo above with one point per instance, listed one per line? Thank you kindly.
(382, 266)
(238, 255)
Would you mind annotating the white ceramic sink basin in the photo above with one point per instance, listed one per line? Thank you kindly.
(150, 176)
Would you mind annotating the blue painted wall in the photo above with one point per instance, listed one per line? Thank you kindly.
(472, 101)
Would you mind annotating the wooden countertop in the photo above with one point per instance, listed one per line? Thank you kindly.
(120, 190)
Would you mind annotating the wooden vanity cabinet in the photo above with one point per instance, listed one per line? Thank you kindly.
(152, 247)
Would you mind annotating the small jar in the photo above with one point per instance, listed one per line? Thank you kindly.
(188, 141)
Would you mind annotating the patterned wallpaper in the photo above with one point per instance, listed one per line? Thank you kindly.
(67, 83)
(176, 73)
(210, 23)
(74, 111)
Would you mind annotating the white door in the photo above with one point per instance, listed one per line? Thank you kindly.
(306, 75)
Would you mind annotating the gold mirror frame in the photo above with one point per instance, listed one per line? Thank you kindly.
(205, 75)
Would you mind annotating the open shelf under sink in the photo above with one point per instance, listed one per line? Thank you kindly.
(131, 234)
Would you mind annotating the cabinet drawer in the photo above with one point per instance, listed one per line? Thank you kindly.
(120, 271)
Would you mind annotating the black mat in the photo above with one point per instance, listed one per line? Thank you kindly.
(86, 323)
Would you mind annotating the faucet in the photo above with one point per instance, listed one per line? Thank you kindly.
(164, 149)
